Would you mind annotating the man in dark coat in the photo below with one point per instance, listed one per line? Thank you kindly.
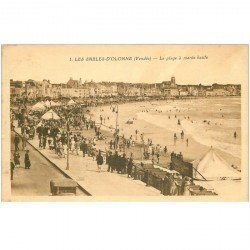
(99, 160)
(16, 142)
(44, 141)
(27, 160)
(122, 163)
(109, 161)
(84, 148)
(116, 161)
(39, 131)
(12, 167)
(130, 167)
(112, 162)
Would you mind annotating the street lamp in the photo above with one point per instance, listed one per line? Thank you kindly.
(67, 166)
(68, 132)
(116, 126)
(67, 127)
(116, 120)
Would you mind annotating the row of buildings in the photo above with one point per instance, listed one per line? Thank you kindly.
(76, 88)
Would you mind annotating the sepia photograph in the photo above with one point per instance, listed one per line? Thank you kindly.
(124, 125)
(125, 122)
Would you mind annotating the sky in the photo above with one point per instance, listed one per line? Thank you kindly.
(222, 64)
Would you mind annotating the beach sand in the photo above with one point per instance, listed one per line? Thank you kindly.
(152, 119)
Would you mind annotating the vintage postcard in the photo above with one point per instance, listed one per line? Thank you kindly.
(125, 123)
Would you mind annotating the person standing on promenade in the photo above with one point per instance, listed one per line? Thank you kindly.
(16, 159)
(111, 144)
(187, 142)
(27, 160)
(99, 160)
(158, 157)
(115, 161)
(24, 141)
(123, 164)
(109, 161)
(39, 131)
(12, 127)
(180, 156)
(112, 162)
(93, 150)
(16, 142)
(12, 167)
(84, 148)
(130, 167)
(44, 139)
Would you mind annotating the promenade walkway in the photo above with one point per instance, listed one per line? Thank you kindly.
(84, 171)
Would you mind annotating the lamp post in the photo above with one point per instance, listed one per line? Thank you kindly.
(68, 132)
(116, 127)
(67, 127)
(116, 120)
(67, 166)
(24, 100)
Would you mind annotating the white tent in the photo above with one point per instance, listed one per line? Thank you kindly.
(71, 102)
(212, 166)
(38, 107)
(50, 115)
